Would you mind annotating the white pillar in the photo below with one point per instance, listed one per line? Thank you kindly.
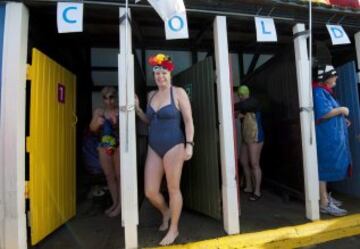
(308, 136)
(12, 128)
(129, 195)
(357, 47)
(227, 150)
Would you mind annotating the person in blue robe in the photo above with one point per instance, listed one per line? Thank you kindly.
(331, 137)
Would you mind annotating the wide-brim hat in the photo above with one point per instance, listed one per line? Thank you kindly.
(324, 72)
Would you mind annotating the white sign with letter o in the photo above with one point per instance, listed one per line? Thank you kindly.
(176, 27)
(70, 17)
(338, 34)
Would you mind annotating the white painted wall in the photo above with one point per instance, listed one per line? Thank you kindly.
(12, 128)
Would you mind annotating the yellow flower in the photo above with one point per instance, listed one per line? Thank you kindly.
(159, 58)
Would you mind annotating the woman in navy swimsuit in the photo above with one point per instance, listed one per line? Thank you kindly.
(169, 147)
(105, 122)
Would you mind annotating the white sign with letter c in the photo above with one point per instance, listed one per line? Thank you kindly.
(70, 17)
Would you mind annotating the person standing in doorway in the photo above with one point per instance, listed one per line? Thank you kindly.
(105, 123)
(252, 135)
(331, 137)
(168, 147)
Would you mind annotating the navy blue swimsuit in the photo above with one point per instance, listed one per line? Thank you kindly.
(164, 127)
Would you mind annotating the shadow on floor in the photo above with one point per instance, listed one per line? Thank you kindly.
(91, 229)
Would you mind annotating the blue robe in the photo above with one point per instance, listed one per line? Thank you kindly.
(331, 138)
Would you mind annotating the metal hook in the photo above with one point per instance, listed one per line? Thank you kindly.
(328, 21)
(259, 11)
(341, 19)
(271, 11)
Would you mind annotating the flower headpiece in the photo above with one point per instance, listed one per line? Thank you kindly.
(161, 60)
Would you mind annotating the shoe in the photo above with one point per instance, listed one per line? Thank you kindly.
(333, 210)
(333, 200)
(254, 197)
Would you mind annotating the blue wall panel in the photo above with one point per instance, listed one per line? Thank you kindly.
(347, 94)
(2, 21)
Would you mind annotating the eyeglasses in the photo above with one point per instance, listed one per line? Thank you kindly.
(109, 97)
(159, 69)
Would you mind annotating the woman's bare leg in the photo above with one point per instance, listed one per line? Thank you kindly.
(254, 155)
(116, 159)
(173, 164)
(244, 161)
(324, 199)
(106, 162)
(154, 173)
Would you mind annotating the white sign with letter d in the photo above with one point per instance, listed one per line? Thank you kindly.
(337, 34)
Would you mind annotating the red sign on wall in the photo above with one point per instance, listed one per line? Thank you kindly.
(61, 93)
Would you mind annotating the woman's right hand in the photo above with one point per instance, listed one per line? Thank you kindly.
(345, 111)
(100, 120)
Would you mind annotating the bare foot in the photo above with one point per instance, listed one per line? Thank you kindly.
(110, 209)
(115, 212)
(165, 223)
(169, 238)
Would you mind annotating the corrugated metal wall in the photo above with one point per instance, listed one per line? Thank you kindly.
(347, 94)
(275, 85)
(51, 146)
(201, 177)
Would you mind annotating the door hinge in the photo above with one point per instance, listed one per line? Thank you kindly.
(28, 72)
(27, 189)
(27, 144)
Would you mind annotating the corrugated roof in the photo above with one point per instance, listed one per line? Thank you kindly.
(338, 5)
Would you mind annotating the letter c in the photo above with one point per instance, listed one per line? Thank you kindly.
(65, 13)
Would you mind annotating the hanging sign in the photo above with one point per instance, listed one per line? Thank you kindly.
(338, 34)
(265, 29)
(70, 17)
(173, 13)
(176, 27)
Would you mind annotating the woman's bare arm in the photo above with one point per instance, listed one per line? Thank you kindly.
(335, 112)
(97, 120)
(186, 112)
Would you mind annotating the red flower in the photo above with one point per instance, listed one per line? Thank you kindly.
(168, 65)
(152, 61)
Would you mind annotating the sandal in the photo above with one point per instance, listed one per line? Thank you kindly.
(254, 197)
(246, 192)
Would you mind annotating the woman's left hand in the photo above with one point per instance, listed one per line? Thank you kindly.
(348, 122)
(188, 152)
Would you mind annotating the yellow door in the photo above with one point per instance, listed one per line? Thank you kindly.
(51, 146)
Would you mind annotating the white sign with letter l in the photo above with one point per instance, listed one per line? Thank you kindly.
(265, 29)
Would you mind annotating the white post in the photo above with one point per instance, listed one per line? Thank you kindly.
(308, 135)
(129, 195)
(357, 47)
(227, 150)
(12, 128)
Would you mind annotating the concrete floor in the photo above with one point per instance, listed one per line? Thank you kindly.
(91, 229)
